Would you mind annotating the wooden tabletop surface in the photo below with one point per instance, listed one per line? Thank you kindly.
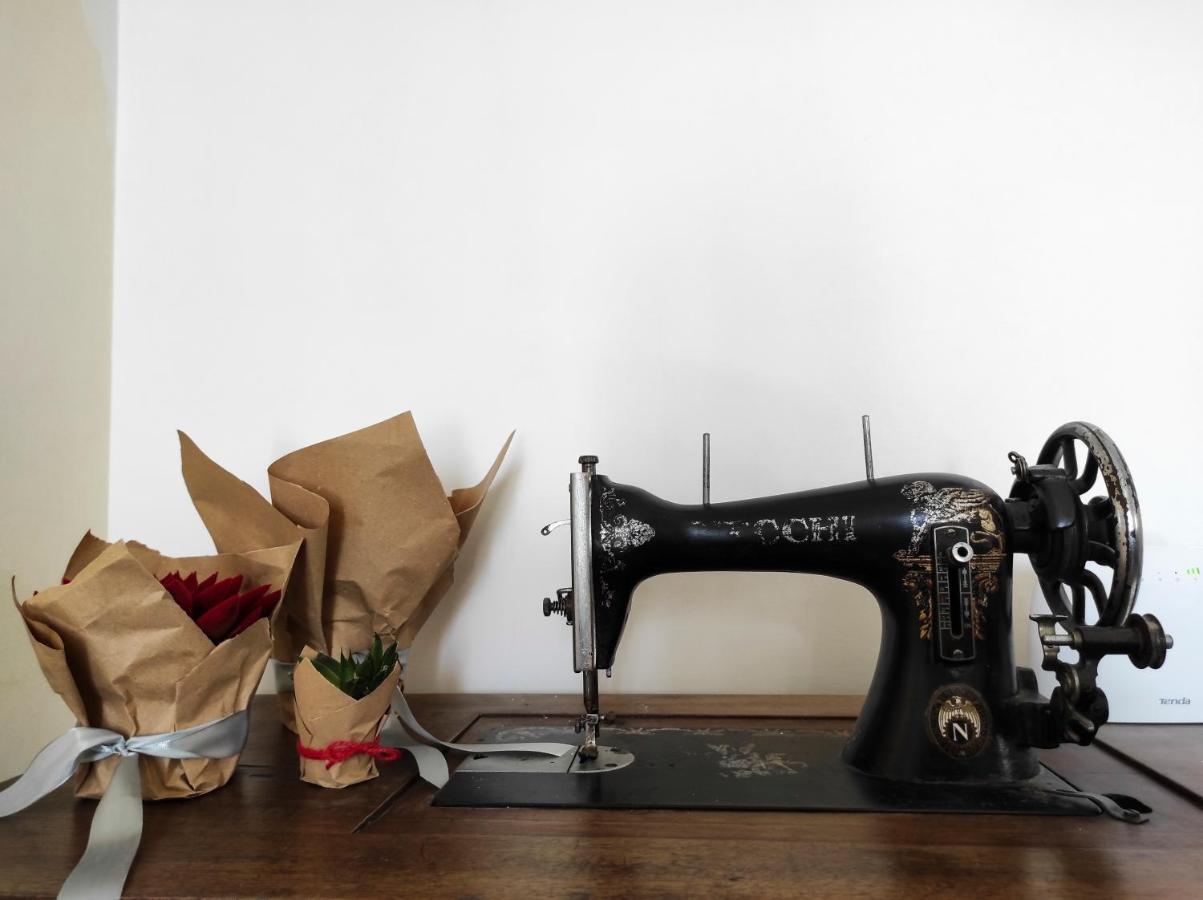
(268, 834)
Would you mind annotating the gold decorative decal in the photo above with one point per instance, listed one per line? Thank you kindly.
(942, 506)
(958, 721)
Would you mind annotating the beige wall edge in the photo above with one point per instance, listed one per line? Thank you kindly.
(57, 62)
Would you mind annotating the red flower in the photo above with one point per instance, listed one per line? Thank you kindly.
(217, 607)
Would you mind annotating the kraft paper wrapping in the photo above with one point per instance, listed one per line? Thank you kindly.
(380, 537)
(325, 715)
(123, 656)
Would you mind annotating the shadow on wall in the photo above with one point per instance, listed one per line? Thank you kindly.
(429, 655)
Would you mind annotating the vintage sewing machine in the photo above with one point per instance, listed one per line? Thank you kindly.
(947, 705)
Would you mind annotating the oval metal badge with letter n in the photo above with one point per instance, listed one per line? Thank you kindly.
(958, 721)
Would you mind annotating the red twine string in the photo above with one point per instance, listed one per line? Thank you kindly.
(341, 751)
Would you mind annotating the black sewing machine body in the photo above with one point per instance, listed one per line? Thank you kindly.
(947, 704)
(935, 656)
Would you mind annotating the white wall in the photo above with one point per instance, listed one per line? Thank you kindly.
(56, 245)
(616, 225)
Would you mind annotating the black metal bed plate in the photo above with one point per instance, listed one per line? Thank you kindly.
(745, 769)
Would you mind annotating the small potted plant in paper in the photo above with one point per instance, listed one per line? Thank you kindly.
(341, 706)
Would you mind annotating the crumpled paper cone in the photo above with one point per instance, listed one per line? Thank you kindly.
(325, 715)
(122, 655)
(380, 536)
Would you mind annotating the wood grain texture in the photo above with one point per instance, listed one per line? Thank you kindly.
(268, 834)
(1170, 753)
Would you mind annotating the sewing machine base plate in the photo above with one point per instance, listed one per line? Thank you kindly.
(744, 769)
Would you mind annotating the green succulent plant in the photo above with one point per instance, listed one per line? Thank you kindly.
(359, 674)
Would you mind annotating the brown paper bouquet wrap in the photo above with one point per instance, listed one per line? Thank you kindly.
(380, 535)
(122, 654)
(326, 716)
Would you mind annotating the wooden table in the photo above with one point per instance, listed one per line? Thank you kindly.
(268, 834)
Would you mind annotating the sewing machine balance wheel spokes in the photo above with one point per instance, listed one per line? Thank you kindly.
(1106, 532)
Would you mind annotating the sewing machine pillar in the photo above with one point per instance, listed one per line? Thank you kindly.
(926, 720)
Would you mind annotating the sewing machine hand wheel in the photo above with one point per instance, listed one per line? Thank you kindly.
(1062, 531)
(1104, 529)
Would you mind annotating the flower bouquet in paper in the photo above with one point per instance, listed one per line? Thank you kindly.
(341, 705)
(158, 659)
(139, 643)
(380, 534)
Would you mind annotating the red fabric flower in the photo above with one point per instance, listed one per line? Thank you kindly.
(220, 608)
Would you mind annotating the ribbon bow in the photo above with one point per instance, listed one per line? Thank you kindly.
(117, 823)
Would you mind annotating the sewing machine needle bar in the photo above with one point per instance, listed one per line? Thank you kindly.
(584, 640)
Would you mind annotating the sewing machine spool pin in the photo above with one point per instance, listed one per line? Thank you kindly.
(868, 439)
(706, 468)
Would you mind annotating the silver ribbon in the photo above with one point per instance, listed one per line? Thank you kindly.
(406, 733)
(283, 676)
(117, 823)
